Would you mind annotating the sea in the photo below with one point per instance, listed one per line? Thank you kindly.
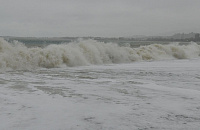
(88, 84)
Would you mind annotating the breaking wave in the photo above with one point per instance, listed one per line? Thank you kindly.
(88, 52)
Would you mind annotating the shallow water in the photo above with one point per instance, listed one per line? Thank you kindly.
(143, 95)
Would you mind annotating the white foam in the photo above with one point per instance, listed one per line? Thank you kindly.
(87, 52)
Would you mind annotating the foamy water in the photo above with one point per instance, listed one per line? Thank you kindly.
(88, 52)
(102, 86)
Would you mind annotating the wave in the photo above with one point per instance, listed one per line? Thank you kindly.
(88, 52)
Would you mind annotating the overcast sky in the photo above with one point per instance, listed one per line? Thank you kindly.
(98, 17)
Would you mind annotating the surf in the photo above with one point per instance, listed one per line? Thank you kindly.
(16, 55)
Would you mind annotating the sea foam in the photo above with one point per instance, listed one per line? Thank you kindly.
(16, 55)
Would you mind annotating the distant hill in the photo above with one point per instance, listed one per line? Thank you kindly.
(183, 35)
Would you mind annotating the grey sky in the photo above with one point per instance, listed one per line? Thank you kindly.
(98, 17)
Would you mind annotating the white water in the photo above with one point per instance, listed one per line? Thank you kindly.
(88, 52)
(159, 89)
(159, 95)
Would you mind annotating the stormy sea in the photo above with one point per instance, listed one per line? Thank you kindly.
(88, 84)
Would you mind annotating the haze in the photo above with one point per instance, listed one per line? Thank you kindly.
(104, 18)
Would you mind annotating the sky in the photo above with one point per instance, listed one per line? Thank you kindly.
(103, 18)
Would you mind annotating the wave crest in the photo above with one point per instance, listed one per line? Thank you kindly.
(86, 52)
